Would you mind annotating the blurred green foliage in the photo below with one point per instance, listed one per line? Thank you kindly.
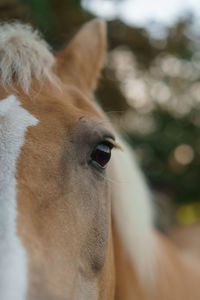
(156, 150)
(40, 12)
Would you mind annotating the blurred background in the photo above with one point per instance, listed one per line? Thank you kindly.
(150, 86)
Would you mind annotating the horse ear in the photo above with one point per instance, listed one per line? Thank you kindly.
(81, 61)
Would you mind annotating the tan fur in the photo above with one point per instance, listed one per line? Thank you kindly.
(50, 230)
(87, 61)
(178, 275)
(187, 238)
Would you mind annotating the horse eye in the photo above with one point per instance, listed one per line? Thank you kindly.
(101, 155)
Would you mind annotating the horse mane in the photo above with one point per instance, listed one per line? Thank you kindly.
(23, 55)
(133, 213)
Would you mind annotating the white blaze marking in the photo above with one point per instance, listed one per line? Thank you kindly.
(14, 121)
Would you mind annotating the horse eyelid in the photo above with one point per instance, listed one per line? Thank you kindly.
(114, 143)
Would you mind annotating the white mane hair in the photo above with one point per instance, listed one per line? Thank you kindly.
(134, 214)
(23, 55)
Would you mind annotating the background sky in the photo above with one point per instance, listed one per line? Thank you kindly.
(143, 12)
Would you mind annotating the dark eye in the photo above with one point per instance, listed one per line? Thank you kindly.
(101, 155)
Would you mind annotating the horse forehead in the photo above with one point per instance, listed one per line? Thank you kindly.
(62, 110)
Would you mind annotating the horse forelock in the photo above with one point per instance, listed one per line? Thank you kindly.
(24, 55)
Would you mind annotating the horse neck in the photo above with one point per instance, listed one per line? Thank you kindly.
(148, 265)
(176, 275)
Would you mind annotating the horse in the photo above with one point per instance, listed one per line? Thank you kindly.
(76, 216)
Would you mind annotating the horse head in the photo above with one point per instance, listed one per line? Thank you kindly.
(55, 147)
